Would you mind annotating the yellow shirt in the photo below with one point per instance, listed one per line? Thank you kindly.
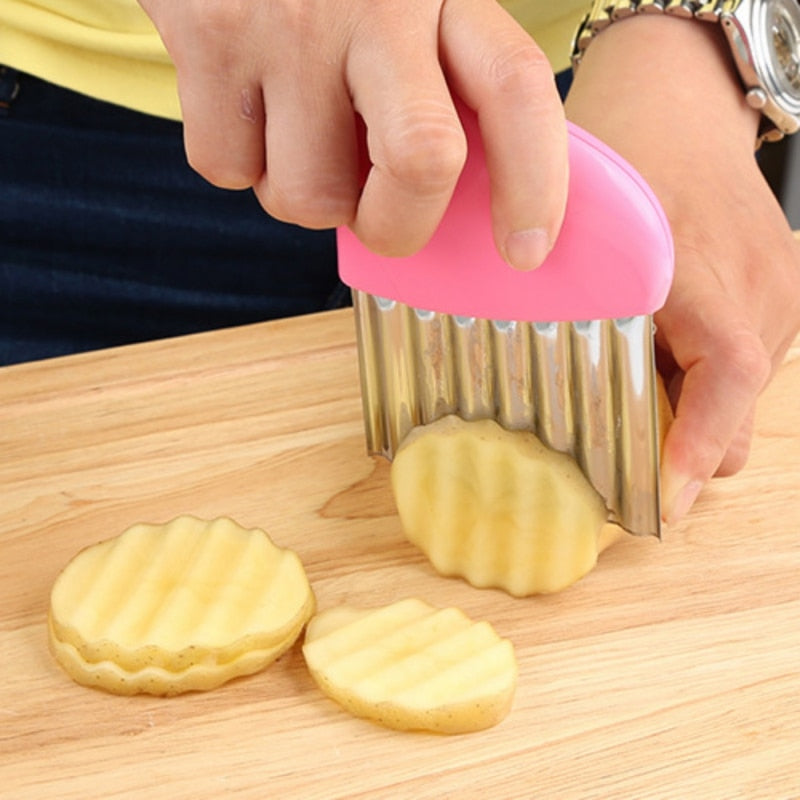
(110, 50)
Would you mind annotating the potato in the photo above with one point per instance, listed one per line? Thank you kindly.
(164, 609)
(411, 666)
(498, 507)
(156, 680)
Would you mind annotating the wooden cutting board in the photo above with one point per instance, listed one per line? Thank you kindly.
(671, 671)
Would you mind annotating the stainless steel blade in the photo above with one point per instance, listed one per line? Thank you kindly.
(585, 388)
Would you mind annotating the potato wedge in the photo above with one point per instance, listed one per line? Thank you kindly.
(170, 608)
(497, 507)
(411, 666)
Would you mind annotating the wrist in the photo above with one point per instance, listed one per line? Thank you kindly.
(670, 77)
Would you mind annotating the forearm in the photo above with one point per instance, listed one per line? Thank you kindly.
(670, 83)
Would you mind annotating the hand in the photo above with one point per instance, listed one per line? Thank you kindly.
(734, 307)
(271, 89)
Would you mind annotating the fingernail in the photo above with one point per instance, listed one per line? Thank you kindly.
(527, 249)
(677, 506)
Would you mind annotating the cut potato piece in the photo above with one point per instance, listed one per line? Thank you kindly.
(157, 680)
(498, 507)
(411, 666)
(188, 605)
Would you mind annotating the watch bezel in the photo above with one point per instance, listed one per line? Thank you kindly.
(745, 26)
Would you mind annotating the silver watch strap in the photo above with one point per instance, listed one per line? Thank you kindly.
(604, 12)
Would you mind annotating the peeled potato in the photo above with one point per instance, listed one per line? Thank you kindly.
(164, 609)
(411, 666)
(498, 507)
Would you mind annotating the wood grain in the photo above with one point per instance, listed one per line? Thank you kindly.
(671, 671)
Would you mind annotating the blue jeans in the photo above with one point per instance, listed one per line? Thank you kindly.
(107, 236)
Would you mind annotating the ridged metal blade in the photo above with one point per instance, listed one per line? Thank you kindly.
(584, 388)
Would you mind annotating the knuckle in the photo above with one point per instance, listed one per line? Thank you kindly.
(219, 172)
(388, 243)
(747, 358)
(305, 204)
(519, 68)
(221, 18)
(207, 23)
(425, 151)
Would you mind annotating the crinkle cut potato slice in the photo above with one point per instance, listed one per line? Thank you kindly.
(411, 666)
(188, 605)
(497, 507)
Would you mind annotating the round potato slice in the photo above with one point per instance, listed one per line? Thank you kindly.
(411, 666)
(188, 605)
(498, 507)
(157, 680)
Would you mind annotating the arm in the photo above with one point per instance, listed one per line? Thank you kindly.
(271, 90)
(664, 94)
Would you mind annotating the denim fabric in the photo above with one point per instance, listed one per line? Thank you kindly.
(107, 236)
(563, 82)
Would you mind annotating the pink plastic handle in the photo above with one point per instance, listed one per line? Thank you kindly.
(613, 258)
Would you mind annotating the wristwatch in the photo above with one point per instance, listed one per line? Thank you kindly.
(764, 37)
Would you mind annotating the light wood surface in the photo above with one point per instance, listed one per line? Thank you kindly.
(671, 671)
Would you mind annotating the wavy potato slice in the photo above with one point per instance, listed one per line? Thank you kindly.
(157, 680)
(188, 605)
(498, 507)
(411, 666)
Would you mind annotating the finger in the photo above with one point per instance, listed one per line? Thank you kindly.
(719, 389)
(311, 175)
(221, 104)
(739, 449)
(414, 138)
(502, 74)
(223, 135)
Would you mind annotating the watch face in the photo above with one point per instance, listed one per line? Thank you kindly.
(783, 30)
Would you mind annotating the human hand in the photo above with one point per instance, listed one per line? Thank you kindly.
(734, 307)
(271, 89)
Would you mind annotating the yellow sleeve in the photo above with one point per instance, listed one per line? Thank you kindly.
(109, 49)
(551, 24)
